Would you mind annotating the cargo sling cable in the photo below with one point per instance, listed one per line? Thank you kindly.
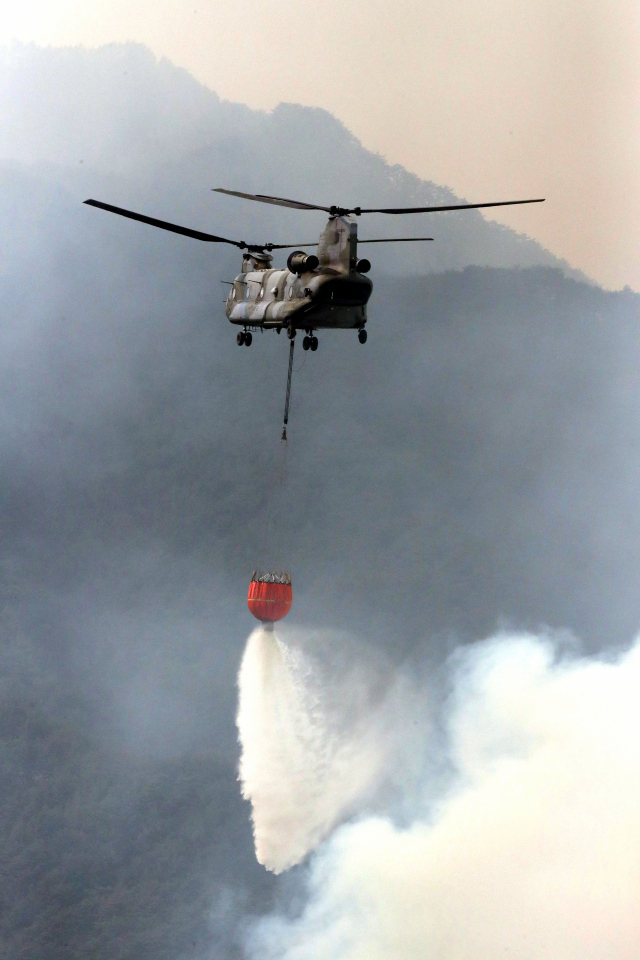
(271, 594)
(288, 397)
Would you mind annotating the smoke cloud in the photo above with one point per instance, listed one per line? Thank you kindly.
(476, 463)
(304, 761)
(531, 851)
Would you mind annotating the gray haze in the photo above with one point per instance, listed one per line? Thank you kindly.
(492, 97)
(475, 464)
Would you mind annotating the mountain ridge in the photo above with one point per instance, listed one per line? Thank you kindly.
(120, 110)
(473, 465)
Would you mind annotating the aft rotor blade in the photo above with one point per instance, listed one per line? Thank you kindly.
(456, 206)
(277, 201)
(288, 246)
(396, 240)
(174, 228)
(346, 211)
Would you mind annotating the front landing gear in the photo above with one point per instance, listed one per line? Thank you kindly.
(310, 343)
(362, 335)
(244, 337)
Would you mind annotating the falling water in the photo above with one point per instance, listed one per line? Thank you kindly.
(300, 768)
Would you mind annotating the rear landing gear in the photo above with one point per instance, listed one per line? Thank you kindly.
(244, 337)
(291, 332)
(240, 338)
(314, 343)
(362, 335)
(310, 343)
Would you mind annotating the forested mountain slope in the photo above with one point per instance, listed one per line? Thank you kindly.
(475, 463)
(148, 134)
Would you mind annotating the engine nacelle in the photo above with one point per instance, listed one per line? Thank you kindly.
(301, 262)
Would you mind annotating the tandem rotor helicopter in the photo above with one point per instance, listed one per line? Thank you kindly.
(329, 290)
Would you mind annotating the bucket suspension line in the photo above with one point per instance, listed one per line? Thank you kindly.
(288, 397)
(276, 502)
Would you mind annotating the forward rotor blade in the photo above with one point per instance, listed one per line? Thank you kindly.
(456, 206)
(277, 201)
(163, 225)
(396, 240)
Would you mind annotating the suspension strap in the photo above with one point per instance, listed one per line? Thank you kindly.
(286, 402)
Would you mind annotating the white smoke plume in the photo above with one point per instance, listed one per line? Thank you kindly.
(532, 851)
(305, 761)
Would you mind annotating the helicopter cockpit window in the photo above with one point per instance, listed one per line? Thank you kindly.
(233, 293)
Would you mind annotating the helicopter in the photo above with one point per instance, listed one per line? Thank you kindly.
(327, 290)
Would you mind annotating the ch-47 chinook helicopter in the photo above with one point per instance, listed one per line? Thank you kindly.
(329, 290)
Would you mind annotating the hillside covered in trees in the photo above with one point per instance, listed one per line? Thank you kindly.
(474, 464)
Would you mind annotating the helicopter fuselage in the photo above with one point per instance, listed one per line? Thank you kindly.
(333, 294)
(326, 291)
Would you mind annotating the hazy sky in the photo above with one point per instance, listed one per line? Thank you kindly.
(498, 99)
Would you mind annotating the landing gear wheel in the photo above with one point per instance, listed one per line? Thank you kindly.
(362, 335)
(240, 338)
(306, 343)
(248, 339)
(314, 343)
(291, 332)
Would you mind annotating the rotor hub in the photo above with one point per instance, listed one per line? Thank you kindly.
(344, 211)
